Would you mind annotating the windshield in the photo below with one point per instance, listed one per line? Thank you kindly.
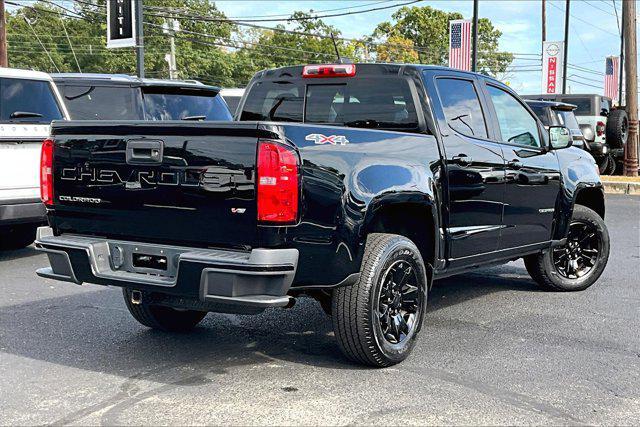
(27, 101)
(179, 105)
(102, 102)
(382, 103)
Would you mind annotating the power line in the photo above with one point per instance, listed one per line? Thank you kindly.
(306, 18)
(311, 11)
(584, 21)
(585, 84)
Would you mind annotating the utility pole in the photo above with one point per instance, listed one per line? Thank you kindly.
(566, 46)
(4, 57)
(620, 104)
(139, 38)
(544, 21)
(631, 71)
(474, 52)
(170, 27)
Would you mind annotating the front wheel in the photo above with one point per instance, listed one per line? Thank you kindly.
(580, 262)
(377, 319)
(160, 317)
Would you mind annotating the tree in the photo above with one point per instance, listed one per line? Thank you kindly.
(428, 29)
(397, 49)
(279, 48)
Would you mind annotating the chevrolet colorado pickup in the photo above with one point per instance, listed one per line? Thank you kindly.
(355, 184)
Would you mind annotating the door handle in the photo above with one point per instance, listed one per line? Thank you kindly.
(462, 159)
(514, 164)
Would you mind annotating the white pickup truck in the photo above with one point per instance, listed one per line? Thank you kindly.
(29, 101)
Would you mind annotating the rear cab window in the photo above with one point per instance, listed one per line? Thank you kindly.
(375, 102)
(28, 101)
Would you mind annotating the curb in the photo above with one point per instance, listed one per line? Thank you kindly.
(616, 187)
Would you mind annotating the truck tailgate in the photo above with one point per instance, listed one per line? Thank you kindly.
(188, 183)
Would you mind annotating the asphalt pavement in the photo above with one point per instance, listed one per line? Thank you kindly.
(494, 350)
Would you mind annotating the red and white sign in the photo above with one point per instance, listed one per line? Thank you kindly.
(552, 66)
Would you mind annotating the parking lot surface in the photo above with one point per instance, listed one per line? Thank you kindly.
(494, 350)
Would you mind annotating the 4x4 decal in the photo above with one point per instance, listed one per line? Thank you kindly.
(320, 139)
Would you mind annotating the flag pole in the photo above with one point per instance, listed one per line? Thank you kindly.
(474, 52)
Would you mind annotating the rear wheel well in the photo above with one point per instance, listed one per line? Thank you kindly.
(591, 198)
(412, 221)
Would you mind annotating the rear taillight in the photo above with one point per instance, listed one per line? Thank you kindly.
(277, 185)
(329, 70)
(600, 128)
(46, 172)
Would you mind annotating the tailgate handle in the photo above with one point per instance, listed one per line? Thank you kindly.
(144, 151)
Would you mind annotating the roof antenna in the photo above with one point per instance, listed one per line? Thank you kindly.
(335, 46)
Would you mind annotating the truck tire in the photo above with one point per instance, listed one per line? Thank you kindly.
(377, 319)
(616, 129)
(606, 164)
(17, 236)
(580, 262)
(163, 318)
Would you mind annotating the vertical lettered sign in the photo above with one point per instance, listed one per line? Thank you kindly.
(552, 57)
(121, 23)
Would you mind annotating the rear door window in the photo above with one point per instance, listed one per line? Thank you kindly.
(102, 102)
(462, 107)
(28, 101)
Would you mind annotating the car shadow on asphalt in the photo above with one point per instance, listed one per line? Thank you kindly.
(93, 331)
(10, 255)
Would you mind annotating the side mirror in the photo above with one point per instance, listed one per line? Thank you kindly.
(560, 137)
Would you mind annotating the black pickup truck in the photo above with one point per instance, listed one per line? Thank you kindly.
(355, 184)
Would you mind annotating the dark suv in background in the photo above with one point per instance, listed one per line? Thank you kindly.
(122, 97)
(604, 126)
(560, 114)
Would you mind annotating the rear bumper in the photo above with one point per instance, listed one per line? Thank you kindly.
(259, 278)
(21, 211)
(598, 149)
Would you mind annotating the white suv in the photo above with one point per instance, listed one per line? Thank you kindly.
(29, 101)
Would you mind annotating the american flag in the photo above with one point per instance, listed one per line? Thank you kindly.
(460, 44)
(611, 75)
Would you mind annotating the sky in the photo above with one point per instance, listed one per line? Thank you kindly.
(593, 30)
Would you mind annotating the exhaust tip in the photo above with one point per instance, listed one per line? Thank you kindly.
(136, 297)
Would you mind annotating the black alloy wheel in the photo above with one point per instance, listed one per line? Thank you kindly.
(398, 302)
(578, 263)
(578, 257)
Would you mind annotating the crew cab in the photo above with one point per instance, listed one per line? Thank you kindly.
(28, 103)
(355, 184)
